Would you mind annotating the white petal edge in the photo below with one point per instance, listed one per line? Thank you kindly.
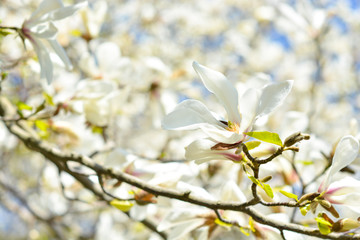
(219, 85)
(59, 50)
(220, 134)
(188, 115)
(231, 192)
(44, 60)
(47, 30)
(273, 96)
(45, 7)
(249, 102)
(67, 11)
(200, 151)
(345, 191)
(345, 153)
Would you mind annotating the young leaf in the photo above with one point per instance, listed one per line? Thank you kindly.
(266, 136)
(289, 195)
(221, 223)
(4, 33)
(304, 210)
(48, 99)
(3, 75)
(304, 162)
(96, 129)
(252, 144)
(324, 225)
(124, 206)
(245, 231)
(251, 224)
(254, 180)
(41, 125)
(268, 190)
(23, 106)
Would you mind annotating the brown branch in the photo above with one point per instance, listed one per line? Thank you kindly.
(58, 157)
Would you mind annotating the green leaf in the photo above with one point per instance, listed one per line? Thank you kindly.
(245, 231)
(266, 136)
(96, 129)
(264, 186)
(254, 180)
(304, 162)
(324, 225)
(221, 223)
(4, 75)
(304, 210)
(39, 108)
(268, 190)
(252, 144)
(289, 195)
(41, 125)
(48, 99)
(76, 33)
(4, 33)
(23, 106)
(122, 205)
(251, 177)
(251, 224)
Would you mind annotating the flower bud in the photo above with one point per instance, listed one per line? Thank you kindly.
(266, 179)
(333, 211)
(345, 224)
(325, 204)
(294, 138)
(308, 197)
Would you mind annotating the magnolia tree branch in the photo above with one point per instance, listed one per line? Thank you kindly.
(49, 222)
(19, 129)
(60, 159)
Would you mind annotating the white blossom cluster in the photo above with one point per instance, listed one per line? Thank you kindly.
(113, 79)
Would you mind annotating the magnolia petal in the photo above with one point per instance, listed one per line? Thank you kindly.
(67, 11)
(346, 152)
(350, 199)
(292, 15)
(195, 191)
(200, 151)
(249, 102)
(45, 7)
(189, 114)
(108, 55)
(218, 84)
(343, 186)
(345, 191)
(183, 229)
(47, 30)
(44, 60)
(231, 192)
(61, 53)
(179, 216)
(89, 89)
(220, 134)
(273, 96)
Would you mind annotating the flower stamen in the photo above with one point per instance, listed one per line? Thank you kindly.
(233, 127)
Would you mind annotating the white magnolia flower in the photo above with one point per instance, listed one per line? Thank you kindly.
(101, 101)
(200, 151)
(181, 221)
(345, 153)
(347, 189)
(242, 113)
(41, 31)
